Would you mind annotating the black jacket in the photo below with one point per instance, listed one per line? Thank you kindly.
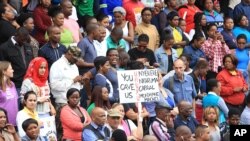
(12, 53)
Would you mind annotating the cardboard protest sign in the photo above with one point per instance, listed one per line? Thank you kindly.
(138, 86)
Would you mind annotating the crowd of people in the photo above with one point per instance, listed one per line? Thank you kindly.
(60, 58)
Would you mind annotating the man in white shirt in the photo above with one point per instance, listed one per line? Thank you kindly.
(64, 75)
(101, 44)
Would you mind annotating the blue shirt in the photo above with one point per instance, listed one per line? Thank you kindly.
(243, 58)
(88, 53)
(162, 58)
(242, 8)
(212, 99)
(182, 90)
(245, 116)
(191, 123)
(107, 7)
(194, 53)
(239, 30)
(89, 135)
(216, 18)
(229, 39)
(51, 54)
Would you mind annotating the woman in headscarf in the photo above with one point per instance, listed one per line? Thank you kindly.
(36, 79)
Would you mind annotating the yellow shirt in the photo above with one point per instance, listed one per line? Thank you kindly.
(151, 31)
(177, 38)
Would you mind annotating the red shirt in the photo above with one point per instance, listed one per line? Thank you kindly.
(42, 21)
(228, 83)
(133, 11)
(187, 13)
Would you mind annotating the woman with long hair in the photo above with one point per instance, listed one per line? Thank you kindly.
(100, 98)
(36, 79)
(200, 23)
(8, 93)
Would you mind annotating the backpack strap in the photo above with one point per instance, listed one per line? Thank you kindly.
(156, 120)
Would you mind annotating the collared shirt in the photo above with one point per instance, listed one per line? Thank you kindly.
(61, 77)
(214, 52)
(182, 90)
(88, 52)
(51, 54)
(191, 122)
(245, 116)
(111, 44)
(159, 129)
(89, 135)
(162, 58)
(194, 53)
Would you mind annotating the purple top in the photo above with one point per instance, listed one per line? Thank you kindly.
(8, 101)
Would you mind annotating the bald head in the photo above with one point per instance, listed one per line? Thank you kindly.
(149, 138)
(183, 103)
(98, 116)
(185, 109)
(179, 68)
(182, 133)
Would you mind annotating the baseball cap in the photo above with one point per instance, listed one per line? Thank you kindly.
(163, 106)
(114, 113)
(76, 51)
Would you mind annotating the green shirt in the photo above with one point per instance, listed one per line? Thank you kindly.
(90, 108)
(85, 7)
(111, 44)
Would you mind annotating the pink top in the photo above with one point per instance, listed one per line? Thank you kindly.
(73, 27)
(71, 123)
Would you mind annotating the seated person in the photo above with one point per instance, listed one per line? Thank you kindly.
(142, 53)
(115, 39)
(31, 128)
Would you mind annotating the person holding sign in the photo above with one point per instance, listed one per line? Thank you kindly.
(73, 117)
(102, 67)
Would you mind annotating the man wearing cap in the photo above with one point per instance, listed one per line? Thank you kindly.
(162, 127)
(64, 75)
(114, 117)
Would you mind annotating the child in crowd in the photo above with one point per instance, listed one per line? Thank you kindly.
(31, 128)
(211, 119)
(182, 26)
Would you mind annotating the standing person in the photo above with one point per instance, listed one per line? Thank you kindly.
(242, 8)
(210, 118)
(64, 75)
(241, 27)
(87, 47)
(73, 117)
(211, 15)
(187, 13)
(96, 129)
(233, 85)
(29, 111)
(133, 9)
(8, 25)
(16, 46)
(227, 33)
(142, 52)
(8, 93)
(52, 50)
(127, 26)
(200, 23)
(100, 98)
(215, 56)
(36, 79)
(213, 99)
(8, 132)
(166, 55)
(102, 66)
(70, 23)
(176, 83)
(242, 54)
(194, 50)
(42, 21)
(26, 20)
(145, 27)
(66, 36)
